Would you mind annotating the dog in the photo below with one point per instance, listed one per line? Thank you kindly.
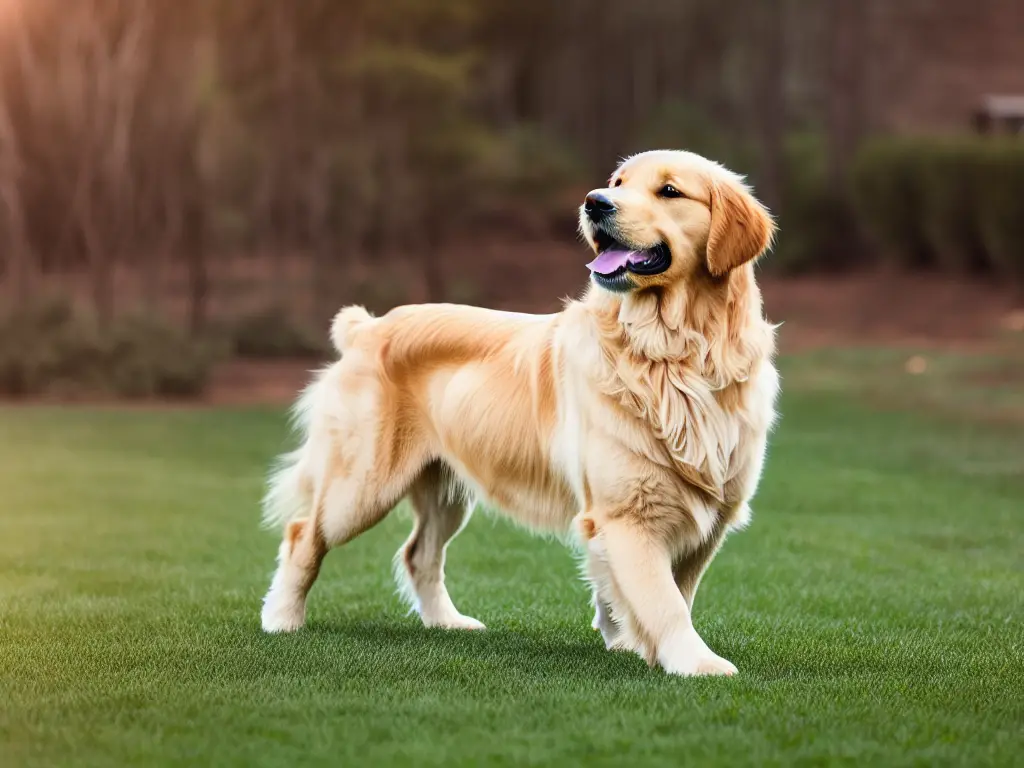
(636, 420)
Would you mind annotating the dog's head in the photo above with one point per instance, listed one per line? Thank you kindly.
(666, 215)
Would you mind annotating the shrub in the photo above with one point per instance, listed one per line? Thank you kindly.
(145, 357)
(273, 333)
(49, 348)
(949, 171)
(41, 344)
(816, 228)
(887, 193)
(999, 203)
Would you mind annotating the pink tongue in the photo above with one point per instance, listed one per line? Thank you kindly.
(613, 259)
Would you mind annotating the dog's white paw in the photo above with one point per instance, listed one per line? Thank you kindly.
(702, 666)
(615, 642)
(609, 631)
(698, 666)
(691, 657)
(715, 665)
(453, 621)
(282, 615)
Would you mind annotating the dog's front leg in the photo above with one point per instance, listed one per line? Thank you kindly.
(603, 620)
(612, 617)
(601, 584)
(640, 567)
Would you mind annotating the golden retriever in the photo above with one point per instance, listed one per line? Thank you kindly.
(635, 420)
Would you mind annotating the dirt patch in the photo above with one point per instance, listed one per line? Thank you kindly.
(890, 309)
(258, 382)
(235, 382)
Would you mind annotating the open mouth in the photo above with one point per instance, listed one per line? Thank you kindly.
(616, 260)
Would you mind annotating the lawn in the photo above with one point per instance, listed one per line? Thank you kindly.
(875, 609)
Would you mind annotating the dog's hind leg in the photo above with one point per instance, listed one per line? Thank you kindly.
(349, 508)
(298, 564)
(350, 496)
(419, 564)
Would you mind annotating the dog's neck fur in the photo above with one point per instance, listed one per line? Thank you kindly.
(679, 358)
(713, 326)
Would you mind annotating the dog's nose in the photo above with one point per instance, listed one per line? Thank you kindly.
(598, 206)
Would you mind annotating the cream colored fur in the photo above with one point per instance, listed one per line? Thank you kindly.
(636, 421)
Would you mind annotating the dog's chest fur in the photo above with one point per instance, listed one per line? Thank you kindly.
(698, 421)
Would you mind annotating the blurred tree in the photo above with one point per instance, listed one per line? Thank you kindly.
(19, 263)
(81, 125)
(164, 135)
(439, 164)
(846, 26)
(769, 98)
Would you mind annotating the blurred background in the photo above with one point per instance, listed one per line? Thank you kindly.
(188, 186)
(189, 189)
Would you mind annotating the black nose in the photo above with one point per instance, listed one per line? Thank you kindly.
(598, 206)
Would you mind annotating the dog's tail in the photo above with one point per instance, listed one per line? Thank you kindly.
(290, 487)
(289, 494)
(345, 323)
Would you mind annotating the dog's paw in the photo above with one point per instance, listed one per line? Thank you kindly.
(609, 631)
(702, 666)
(279, 615)
(614, 641)
(689, 656)
(456, 621)
(715, 665)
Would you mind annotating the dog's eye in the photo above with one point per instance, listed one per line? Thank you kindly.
(669, 191)
(618, 182)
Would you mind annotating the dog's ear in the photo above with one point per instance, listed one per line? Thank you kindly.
(741, 228)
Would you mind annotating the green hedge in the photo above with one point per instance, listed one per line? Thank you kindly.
(816, 227)
(948, 216)
(817, 231)
(273, 332)
(999, 201)
(887, 190)
(49, 348)
(955, 204)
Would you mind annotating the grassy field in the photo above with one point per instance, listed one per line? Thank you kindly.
(875, 610)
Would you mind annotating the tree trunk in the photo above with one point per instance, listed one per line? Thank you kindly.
(21, 265)
(770, 99)
(285, 185)
(846, 30)
(103, 290)
(433, 272)
(198, 267)
(21, 262)
(317, 208)
(101, 265)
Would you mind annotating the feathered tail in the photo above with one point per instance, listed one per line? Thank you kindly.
(347, 320)
(291, 484)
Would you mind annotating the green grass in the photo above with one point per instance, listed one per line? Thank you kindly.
(986, 384)
(874, 610)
